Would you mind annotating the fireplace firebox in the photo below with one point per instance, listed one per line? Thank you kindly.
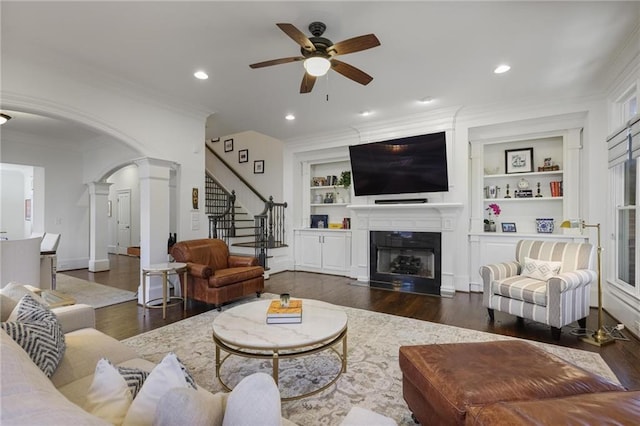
(405, 261)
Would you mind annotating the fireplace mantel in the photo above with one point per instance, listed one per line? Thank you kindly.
(426, 217)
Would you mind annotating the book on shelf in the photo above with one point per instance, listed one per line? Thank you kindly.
(284, 320)
(294, 310)
(556, 188)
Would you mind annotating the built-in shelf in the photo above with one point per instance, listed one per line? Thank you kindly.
(530, 174)
(329, 205)
(528, 199)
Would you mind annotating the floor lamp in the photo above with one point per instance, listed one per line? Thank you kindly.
(600, 337)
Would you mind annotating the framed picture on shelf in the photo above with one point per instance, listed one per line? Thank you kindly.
(508, 227)
(518, 160)
(319, 220)
(243, 156)
(228, 145)
(258, 166)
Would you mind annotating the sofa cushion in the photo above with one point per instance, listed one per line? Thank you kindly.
(254, 401)
(109, 397)
(186, 406)
(540, 269)
(85, 347)
(37, 331)
(22, 381)
(10, 295)
(224, 277)
(170, 373)
(522, 288)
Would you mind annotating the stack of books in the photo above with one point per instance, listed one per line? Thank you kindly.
(556, 188)
(292, 314)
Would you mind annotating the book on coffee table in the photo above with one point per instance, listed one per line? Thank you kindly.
(277, 314)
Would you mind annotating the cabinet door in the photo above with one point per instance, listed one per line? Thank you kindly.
(309, 249)
(334, 252)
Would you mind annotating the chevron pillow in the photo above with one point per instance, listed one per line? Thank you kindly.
(37, 330)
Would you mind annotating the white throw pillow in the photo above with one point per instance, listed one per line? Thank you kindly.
(185, 406)
(169, 374)
(540, 269)
(37, 330)
(254, 401)
(109, 396)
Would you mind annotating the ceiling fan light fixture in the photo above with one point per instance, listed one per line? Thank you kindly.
(4, 118)
(501, 69)
(201, 75)
(317, 66)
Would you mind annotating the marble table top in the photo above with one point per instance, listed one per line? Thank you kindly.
(163, 267)
(245, 326)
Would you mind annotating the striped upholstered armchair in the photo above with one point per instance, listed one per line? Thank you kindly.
(549, 282)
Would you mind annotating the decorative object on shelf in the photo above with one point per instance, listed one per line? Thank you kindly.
(328, 198)
(508, 227)
(319, 181)
(346, 223)
(258, 167)
(317, 199)
(243, 156)
(518, 160)
(507, 195)
(319, 220)
(523, 190)
(332, 180)
(345, 179)
(538, 195)
(228, 145)
(548, 166)
(491, 191)
(556, 188)
(544, 225)
(490, 224)
(523, 184)
(491, 170)
(600, 337)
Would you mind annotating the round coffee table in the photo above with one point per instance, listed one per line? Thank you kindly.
(243, 331)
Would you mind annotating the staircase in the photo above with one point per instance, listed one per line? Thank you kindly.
(233, 224)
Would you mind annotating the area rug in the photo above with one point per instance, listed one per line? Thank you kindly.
(90, 293)
(373, 379)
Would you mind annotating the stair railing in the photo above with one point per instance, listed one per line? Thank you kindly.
(269, 230)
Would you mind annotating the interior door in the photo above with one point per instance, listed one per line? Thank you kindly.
(124, 221)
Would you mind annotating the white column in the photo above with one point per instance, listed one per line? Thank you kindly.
(155, 210)
(98, 232)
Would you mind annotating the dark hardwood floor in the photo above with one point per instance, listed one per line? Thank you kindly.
(463, 310)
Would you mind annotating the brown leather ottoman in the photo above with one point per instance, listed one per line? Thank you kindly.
(607, 408)
(441, 382)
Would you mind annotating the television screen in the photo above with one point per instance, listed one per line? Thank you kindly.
(400, 166)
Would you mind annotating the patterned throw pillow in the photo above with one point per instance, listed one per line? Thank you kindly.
(37, 330)
(540, 269)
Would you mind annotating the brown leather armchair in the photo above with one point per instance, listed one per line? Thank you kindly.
(215, 276)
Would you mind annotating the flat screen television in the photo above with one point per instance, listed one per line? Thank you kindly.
(400, 166)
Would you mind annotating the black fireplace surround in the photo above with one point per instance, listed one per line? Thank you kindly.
(405, 261)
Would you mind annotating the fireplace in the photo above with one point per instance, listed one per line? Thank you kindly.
(405, 261)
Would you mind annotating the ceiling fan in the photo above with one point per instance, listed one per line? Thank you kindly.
(318, 54)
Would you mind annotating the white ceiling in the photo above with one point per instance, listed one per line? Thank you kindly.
(444, 50)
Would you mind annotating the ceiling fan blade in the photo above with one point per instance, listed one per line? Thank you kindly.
(297, 36)
(307, 83)
(351, 72)
(277, 62)
(355, 44)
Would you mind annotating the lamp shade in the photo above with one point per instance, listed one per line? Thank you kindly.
(317, 66)
(571, 223)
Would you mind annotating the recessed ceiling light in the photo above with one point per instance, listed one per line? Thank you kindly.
(426, 100)
(4, 118)
(290, 117)
(200, 75)
(366, 113)
(502, 69)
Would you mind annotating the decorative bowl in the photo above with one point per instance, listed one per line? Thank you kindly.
(544, 226)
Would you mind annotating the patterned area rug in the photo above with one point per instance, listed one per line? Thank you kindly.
(373, 379)
(94, 294)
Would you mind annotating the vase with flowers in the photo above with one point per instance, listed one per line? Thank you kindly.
(494, 211)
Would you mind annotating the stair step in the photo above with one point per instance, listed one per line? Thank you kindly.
(253, 244)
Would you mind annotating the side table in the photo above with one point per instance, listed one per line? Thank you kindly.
(164, 269)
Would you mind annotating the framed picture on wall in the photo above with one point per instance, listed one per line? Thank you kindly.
(243, 156)
(228, 145)
(258, 166)
(518, 160)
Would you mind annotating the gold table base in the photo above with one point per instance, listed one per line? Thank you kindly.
(275, 356)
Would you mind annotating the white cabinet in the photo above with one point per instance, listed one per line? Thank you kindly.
(324, 251)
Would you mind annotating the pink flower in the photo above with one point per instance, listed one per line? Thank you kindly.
(494, 208)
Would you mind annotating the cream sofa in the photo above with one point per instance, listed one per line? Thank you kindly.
(27, 396)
